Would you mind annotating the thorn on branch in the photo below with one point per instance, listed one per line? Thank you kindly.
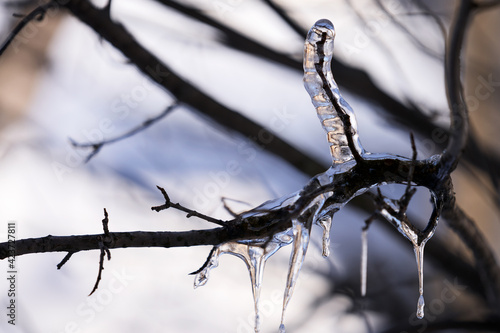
(189, 212)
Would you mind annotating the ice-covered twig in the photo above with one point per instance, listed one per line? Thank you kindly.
(335, 114)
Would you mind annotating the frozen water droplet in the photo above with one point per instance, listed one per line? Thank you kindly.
(364, 260)
(202, 277)
(419, 256)
(420, 307)
(326, 223)
(282, 328)
(300, 244)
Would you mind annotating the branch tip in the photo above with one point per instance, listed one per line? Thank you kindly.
(65, 259)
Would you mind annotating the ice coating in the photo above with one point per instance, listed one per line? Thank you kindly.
(300, 244)
(324, 91)
(420, 306)
(255, 254)
(418, 248)
(336, 116)
(364, 260)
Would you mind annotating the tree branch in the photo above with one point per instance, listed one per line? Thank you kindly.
(185, 92)
(459, 120)
(372, 172)
(37, 14)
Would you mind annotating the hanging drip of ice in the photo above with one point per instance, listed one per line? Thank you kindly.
(326, 223)
(300, 244)
(324, 91)
(419, 255)
(364, 260)
(323, 217)
(418, 248)
(255, 254)
(201, 278)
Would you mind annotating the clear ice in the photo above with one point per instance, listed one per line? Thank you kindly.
(300, 244)
(318, 51)
(364, 260)
(326, 223)
(418, 248)
(255, 254)
(330, 107)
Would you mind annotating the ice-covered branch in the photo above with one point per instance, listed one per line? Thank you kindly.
(258, 233)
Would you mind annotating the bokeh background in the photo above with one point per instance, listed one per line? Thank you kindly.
(59, 80)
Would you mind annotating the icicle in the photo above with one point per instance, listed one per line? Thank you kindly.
(326, 223)
(202, 277)
(300, 244)
(418, 248)
(419, 256)
(255, 254)
(324, 91)
(420, 306)
(364, 260)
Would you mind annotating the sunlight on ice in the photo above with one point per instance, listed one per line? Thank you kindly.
(364, 260)
(255, 254)
(318, 51)
(326, 223)
(419, 255)
(420, 307)
(201, 278)
(418, 248)
(300, 244)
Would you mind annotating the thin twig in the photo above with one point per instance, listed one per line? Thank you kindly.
(404, 201)
(96, 146)
(207, 261)
(412, 36)
(104, 250)
(454, 90)
(105, 222)
(285, 17)
(101, 265)
(36, 14)
(189, 212)
(65, 259)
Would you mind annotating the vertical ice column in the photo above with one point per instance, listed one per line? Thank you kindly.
(330, 106)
